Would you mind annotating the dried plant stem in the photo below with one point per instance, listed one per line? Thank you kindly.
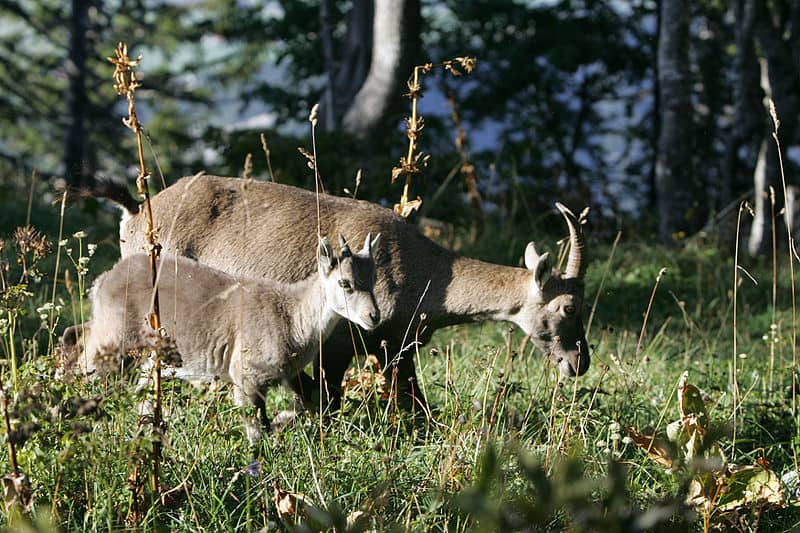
(790, 242)
(774, 285)
(265, 148)
(411, 163)
(467, 170)
(647, 311)
(735, 355)
(30, 199)
(606, 270)
(323, 386)
(51, 318)
(413, 132)
(126, 84)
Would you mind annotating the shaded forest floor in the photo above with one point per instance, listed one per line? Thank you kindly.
(509, 446)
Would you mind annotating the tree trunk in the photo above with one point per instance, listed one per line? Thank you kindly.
(779, 80)
(328, 120)
(77, 167)
(678, 190)
(746, 102)
(395, 42)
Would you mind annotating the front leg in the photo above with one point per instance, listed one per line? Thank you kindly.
(244, 395)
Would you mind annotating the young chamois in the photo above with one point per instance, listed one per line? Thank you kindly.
(244, 227)
(248, 331)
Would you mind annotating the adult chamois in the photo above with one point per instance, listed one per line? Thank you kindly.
(258, 228)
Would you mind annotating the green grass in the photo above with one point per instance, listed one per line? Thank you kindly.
(510, 444)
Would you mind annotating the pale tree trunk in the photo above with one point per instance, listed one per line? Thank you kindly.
(395, 36)
(678, 191)
(77, 166)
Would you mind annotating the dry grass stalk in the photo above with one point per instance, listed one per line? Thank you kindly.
(736, 280)
(776, 124)
(411, 163)
(247, 171)
(265, 149)
(660, 275)
(126, 83)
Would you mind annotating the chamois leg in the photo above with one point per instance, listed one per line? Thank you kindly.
(304, 386)
(244, 395)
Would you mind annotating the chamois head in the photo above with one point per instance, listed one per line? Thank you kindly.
(348, 281)
(552, 312)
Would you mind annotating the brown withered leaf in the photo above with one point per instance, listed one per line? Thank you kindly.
(362, 381)
(657, 448)
(292, 507)
(409, 207)
(397, 172)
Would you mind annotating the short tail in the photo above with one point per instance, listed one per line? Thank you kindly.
(116, 192)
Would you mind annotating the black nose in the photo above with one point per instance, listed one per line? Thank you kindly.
(375, 317)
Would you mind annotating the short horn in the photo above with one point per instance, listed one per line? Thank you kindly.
(577, 260)
(345, 249)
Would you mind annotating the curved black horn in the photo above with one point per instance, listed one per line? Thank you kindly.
(577, 261)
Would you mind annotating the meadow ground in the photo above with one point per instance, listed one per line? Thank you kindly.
(509, 445)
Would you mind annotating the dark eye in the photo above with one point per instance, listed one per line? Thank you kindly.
(569, 309)
(345, 284)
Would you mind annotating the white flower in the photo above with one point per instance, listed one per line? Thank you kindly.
(626, 440)
(613, 427)
(63, 242)
(83, 261)
(79, 234)
(615, 436)
(91, 248)
(601, 444)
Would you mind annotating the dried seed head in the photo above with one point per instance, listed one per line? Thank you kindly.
(31, 241)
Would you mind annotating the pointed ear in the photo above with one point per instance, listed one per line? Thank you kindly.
(343, 247)
(531, 256)
(325, 257)
(540, 264)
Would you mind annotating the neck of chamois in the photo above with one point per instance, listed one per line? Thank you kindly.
(483, 291)
(312, 316)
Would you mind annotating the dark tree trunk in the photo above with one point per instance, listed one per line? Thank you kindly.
(328, 121)
(746, 103)
(356, 57)
(395, 44)
(679, 193)
(775, 37)
(77, 166)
